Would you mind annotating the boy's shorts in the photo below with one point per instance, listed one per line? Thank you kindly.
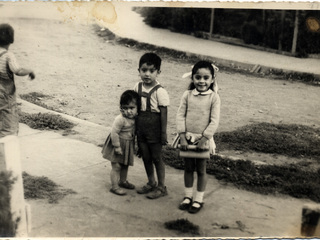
(148, 126)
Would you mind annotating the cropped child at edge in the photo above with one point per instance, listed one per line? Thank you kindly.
(9, 119)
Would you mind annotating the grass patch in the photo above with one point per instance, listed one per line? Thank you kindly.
(43, 188)
(7, 225)
(290, 140)
(36, 98)
(183, 225)
(45, 121)
(263, 179)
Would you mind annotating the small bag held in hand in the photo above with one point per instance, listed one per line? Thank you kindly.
(192, 150)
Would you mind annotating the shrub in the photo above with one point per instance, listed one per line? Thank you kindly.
(7, 225)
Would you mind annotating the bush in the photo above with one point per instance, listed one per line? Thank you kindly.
(251, 34)
(7, 225)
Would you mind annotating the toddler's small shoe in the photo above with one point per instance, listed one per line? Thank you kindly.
(126, 185)
(194, 209)
(118, 191)
(185, 205)
(147, 188)
(158, 192)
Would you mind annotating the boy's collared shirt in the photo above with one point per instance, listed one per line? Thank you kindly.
(158, 98)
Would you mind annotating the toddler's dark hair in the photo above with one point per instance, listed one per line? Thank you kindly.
(150, 59)
(6, 34)
(196, 67)
(129, 96)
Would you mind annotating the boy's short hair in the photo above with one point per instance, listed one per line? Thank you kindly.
(150, 59)
(6, 34)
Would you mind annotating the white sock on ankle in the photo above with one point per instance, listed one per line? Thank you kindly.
(199, 197)
(188, 192)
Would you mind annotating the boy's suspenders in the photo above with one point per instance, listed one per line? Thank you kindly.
(147, 95)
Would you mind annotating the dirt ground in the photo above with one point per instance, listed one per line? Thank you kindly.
(84, 75)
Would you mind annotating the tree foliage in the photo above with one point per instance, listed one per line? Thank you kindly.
(254, 26)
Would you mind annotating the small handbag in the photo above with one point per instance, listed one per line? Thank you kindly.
(192, 150)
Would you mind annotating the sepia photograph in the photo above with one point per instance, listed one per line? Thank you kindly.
(159, 120)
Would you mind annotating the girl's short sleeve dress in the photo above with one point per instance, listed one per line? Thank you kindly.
(126, 137)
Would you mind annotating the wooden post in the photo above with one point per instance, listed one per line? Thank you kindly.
(211, 22)
(10, 161)
(295, 33)
(283, 12)
(310, 220)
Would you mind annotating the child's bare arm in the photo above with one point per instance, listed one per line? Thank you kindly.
(164, 120)
(24, 72)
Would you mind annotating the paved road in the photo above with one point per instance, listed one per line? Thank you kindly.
(223, 53)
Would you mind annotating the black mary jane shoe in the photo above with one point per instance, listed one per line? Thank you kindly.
(193, 209)
(185, 206)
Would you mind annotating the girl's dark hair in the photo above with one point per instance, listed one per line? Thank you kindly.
(196, 67)
(150, 59)
(6, 34)
(128, 96)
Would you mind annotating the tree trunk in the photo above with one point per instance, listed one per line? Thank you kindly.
(283, 13)
(211, 22)
(295, 33)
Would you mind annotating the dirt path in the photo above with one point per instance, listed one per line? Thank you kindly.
(85, 76)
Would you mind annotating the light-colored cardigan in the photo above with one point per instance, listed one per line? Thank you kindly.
(198, 113)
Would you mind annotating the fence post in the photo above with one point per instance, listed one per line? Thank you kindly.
(310, 220)
(10, 161)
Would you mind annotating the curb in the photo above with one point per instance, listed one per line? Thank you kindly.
(68, 117)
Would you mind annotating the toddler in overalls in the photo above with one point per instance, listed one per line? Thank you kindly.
(152, 124)
(9, 119)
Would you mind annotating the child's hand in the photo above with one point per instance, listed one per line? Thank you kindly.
(138, 153)
(183, 143)
(118, 150)
(202, 143)
(164, 138)
(32, 75)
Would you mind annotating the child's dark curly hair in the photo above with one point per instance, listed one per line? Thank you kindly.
(6, 34)
(196, 67)
(150, 59)
(129, 96)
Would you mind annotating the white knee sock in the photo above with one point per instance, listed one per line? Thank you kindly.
(199, 197)
(188, 192)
